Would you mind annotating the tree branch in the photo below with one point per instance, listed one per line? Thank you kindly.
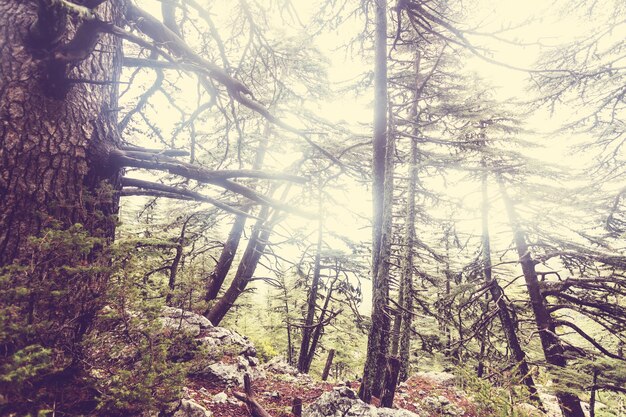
(159, 161)
(167, 191)
(588, 338)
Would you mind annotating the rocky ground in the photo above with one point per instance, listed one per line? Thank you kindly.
(222, 357)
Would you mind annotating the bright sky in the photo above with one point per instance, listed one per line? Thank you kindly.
(523, 22)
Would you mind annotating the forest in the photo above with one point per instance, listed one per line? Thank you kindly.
(275, 208)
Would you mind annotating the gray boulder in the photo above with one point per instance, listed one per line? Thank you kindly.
(279, 365)
(445, 379)
(189, 408)
(442, 406)
(180, 320)
(225, 339)
(344, 402)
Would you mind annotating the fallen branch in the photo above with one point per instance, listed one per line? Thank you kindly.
(254, 408)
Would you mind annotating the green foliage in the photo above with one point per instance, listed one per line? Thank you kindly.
(26, 364)
(73, 323)
(265, 349)
(496, 401)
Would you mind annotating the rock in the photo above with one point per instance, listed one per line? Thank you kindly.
(344, 402)
(551, 404)
(220, 398)
(441, 405)
(528, 410)
(189, 408)
(177, 319)
(445, 379)
(279, 365)
(219, 337)
(228, 373)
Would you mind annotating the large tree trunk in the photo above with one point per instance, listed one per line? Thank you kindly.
(55, 136)
(378, 338)
(507, 321)
(552, 347)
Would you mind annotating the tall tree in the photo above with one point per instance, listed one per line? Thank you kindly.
(62, 161)
(382, 186)
(507, 320)
(550, 342)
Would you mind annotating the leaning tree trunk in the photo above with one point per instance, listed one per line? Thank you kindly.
(216, 278)
(378, 338)
(249, 261)
(550, 342)
(55, 134)
(307, 330)
(507, 321)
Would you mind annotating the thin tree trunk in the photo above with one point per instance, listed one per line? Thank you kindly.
(288, 324)
(397, 322)
(303, 363)
(377, 343)
(216, 278)
(592, 397)
(317, 333)
(552, 347)
(445, 314)
(329, 363)
(174, 272)
(406, 279)
(254, 250)
(497, 295)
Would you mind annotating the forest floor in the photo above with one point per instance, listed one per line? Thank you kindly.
(276, 392)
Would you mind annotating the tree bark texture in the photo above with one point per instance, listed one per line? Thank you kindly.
(406, 278)
(56, 132)
(391, 381)
(378, 338)
(53, 150)
(552, 347)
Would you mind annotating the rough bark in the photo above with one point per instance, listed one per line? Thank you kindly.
(406, 279)
(391, 381)
(552, 347)
(378, 338)
(56, 132)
